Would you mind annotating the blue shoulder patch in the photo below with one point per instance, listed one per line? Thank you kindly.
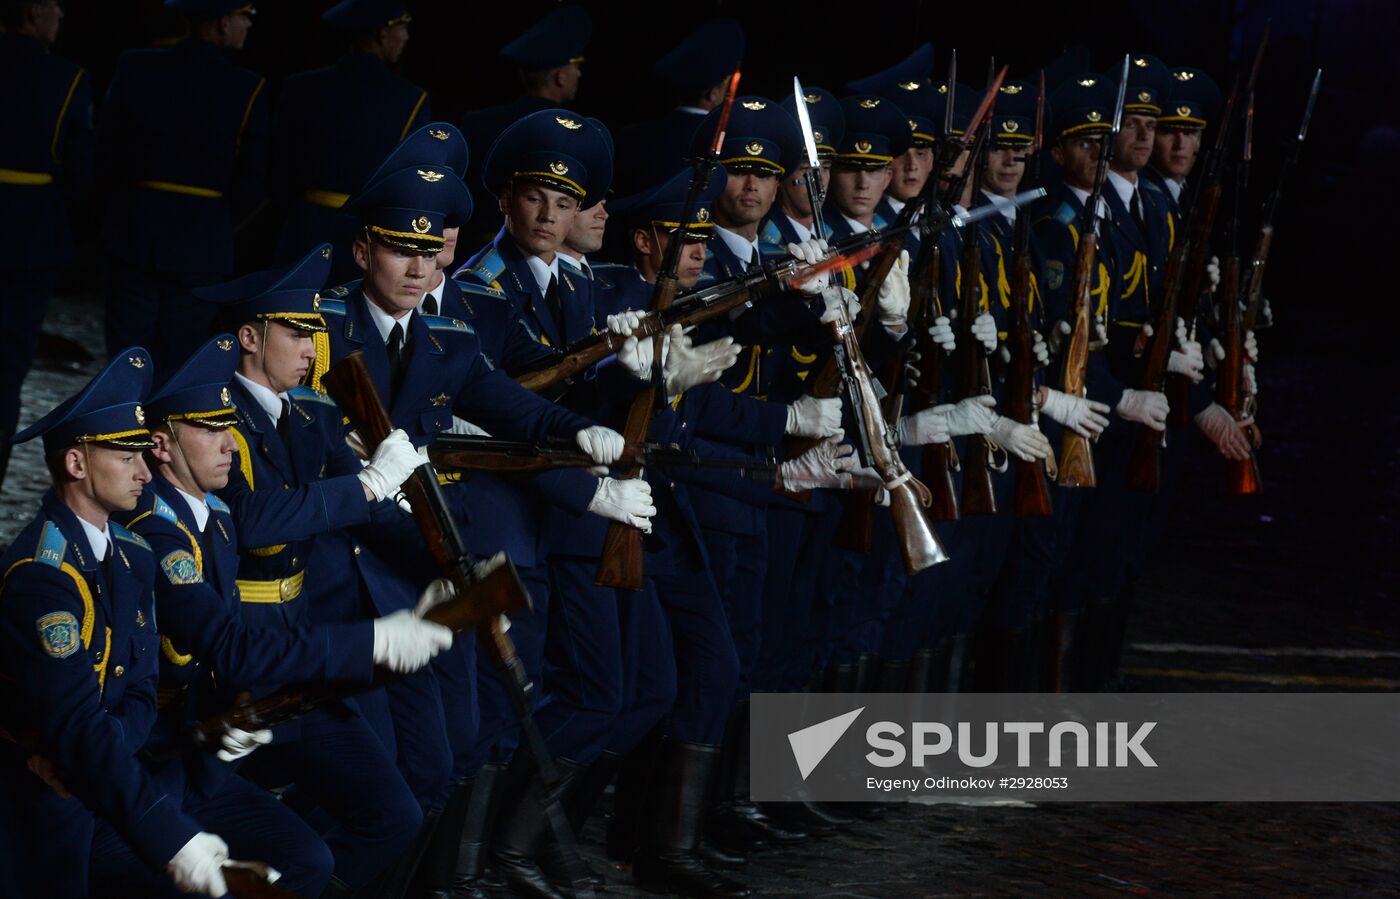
(303, 394)
(443, 323)
(215, 503)
(162, 509)
(331, 307)
(878, 221)
(342, 291)
(489, 267)
(1065, 215)
(122, 533)
(477, 289)
(52, 546)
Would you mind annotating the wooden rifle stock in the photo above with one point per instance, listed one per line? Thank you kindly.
(975, 379)
(1241, 477)
(939, 460)
(1076, 455)
(249, 880)
(1032, 496)
(621, 564)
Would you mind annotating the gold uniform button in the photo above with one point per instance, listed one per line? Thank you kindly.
(119, 671)
(294, 561)
(286, 589)
(357, 550)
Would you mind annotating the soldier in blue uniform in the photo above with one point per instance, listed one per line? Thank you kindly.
(549, 56)
(334, 125)
(790, 220)
(1192, 101)
(84, 814)
(179, 184)
(697, 69)
(45, 171)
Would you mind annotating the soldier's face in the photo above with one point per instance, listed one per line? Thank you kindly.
(395, 278)
(1135, 142)
(449, 248)
(1005, 165)
(275, 355)
(793, 189)
(113, 477)
(1174, 152)
(568, 78)
(586, 236)
(856, 191)
(1079, 157)
(652, 244)
(746, 199)
(539, 218)
(45, 18)
(911, 172)
(235, 28)
(393, 40)
(198, 457)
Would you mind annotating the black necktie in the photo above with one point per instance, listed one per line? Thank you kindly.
(206, 542)
(284, 420)
(395, 347)
(430, 306)
(753, 262)
(555, 303)
(1135, 208)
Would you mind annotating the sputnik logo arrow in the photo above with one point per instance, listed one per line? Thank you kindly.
(811, 744)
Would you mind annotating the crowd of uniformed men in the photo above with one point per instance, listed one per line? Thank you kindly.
(213, 529)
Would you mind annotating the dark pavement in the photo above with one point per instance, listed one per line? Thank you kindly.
(1292, 590)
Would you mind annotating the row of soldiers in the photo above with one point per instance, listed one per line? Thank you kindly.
(217, 527)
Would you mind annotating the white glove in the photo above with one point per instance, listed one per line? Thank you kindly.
(1188, 360)
(636, 356)
(1213, 272)
(394, 460)
(686, 365)
(812, 416)
(984, 329)
(973, 415)
(1220, 426)
(1040, 350)
(1251, 346)
(603, 445)
(1024, 441)
(624, 323)
(923, 427)
(1058, 333)
(835, 299)
(1146, 407)
(894, 294)
(462, 426)
(942, 334)
(439, 591)
(1083, 416)
(811, 252)
(626, 501)
(197, 867)
(403, 642)
(1250, 383)
(828, 464)
(237, 744)
(1216, 354)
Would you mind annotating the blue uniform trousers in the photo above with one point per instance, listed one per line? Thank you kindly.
(705, 664)
(342, 768)
(250, 820)
(796, 611)
(409, 716)
(648, 668)
(24, 298)
(499, 734)
(157, 310)
(740, 567)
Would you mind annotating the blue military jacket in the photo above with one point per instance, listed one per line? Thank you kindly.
(78, 673)
(333, 127)
(46, 156)
(209, 653)
(502, 266)
(182, 145)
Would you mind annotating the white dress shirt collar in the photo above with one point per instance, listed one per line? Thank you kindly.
(270, 402)
(435, 293)
(385, 322)
(856, 227)
(804, 233)
(1174, 187)
(1123, 187)
(543, 271)
(198, 508)
(744, 250)
(99, 540)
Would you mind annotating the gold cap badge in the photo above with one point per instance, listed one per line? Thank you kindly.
(1144, 97)
(1012, 89)
(325, 252)
(754, 105)
(568, 123)
(1011, 125)
(430, 176)
(225, 344)
(868, 103)
(225, 397)
(909, 85)
(140, 416)
(812, 98)
(1140, 62)
(1183, 76)
(1094, 115)
(1086, 82)
(136, 361)
(818, 136)
(702, 215)
(1183, 110)
(559, 168)
(315, 302)
(754, 149)
(862, 146)
(421, 224)
(438, 133)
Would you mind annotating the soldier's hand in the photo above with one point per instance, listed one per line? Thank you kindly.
(624, 323)
(1040, 350)
(839, 301)
(1251, 346)
(893, 303)
(812, 416)
(973, 415)
(236, 743)
(1147, 407)
(1213, 273)
(628, 501)
(403, 642)
(1023, 441)
(942, 333)
(828, 464)
(198, 866)
(603, 445)
(42, 767)
(394, 460)
(1220, 427)
(923, 427)
(984, 330)
(1188, 360)
(636, 356)
(438, 591)
(811, 252)
(1058, 333)
(1083, 416)
(687, 365)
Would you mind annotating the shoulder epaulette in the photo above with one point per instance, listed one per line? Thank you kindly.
(121, 533)
(331, 307)
(52, 546)
(768, 250)
(877, 222)
(1066, 214)
(303, 394)
(342, 291)
(477, 289)
(489, 267)
(770, 234)
(215, 503)
(162, 509)
(443, 323)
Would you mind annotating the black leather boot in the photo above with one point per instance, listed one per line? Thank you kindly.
(839, 678)
(867, 672)
(959, 665)
(633, 781)
(438, 867)
(920, 666)
(735, 824)
(482, 807)
(589, 787)
(667, 855)
(940, 664)
(393, 882)
(523, 831)
(894, 676)
(1060, 664)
